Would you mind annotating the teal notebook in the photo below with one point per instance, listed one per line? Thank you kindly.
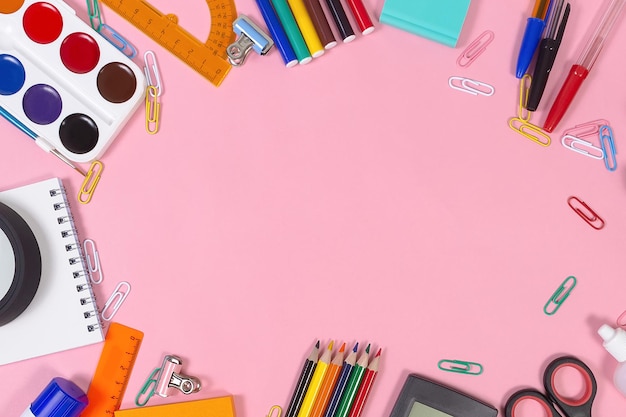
(438, 20)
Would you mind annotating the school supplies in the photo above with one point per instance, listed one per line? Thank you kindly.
(361, 16)
(421, 397)
(341, 20)
(475, 49)
(166, 380)
(330, 380)
(521, 124)
(607, 143)
(352, 386)
(548, 48)
(92, 178)
(60, 398)
(107, 32)
(277, 32)
(474, 87)
(440, 21)
(346, 370)
(115, 300)
(286, 17)
(250, 38)
(532, 35)
(461, 367)
(71, 88)
(209, 58)
(580, 70)
(303, 382)
(63, 313)
(307, 28)
(115, 365)
(314, 8)
(92, 257)
(211, 407)
(580, 407)
(559, 296)
(614, 341)
(585, 212)
(365, 387)
(316, 382)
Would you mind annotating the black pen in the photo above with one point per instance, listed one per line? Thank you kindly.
(548, 49)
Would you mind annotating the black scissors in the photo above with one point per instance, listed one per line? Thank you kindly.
(580, 407)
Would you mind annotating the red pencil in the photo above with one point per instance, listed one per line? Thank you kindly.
(365, 387)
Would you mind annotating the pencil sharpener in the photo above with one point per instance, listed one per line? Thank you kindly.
(170, 379)
(251, 38)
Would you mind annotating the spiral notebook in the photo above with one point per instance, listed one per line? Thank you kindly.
(63, 313)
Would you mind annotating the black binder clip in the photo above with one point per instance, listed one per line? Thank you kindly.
(251, 37)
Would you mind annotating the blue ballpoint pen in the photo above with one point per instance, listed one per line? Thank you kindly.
(532, 36)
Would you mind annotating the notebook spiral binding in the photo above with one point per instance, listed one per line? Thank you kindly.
(76, 257)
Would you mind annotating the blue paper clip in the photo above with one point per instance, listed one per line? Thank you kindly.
(461, 367)
(608, 147)
(251, 37)
(117, 40)
(559, 296)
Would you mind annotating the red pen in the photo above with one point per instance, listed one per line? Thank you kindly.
(580, 70)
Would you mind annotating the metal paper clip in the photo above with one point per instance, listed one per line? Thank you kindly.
(153, 110)
(475, 48)
(571, 142)
(95, 18)
(147, 390)
(524, 90)
(92, 178)
(277, 409)
(608, 147)
(529, 131)
(153, 76)
(461, 367)
(584, 130)
(171, 380)
(117, 40)
(251, 37)
(621, 320)
(115, 300)
(95, 269)
(467, 85)
(589, 216)
(559, 296)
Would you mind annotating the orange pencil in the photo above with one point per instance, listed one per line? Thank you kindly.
(328, 384)
(364, 388)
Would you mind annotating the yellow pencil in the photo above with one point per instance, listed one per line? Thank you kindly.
(307, 28)
(316, 382)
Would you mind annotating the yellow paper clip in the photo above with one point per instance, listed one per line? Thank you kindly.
(115, 301)
(461, 367)
(524, 90)
(475, 48)
(277, 409)
(153, 108)
(559, 296)
(90, 182)
(588, 215)
(530, 131)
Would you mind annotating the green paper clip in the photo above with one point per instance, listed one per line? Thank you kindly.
(559, 296)
(147, 389)
(461, 367)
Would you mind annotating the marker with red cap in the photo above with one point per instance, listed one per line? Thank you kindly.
(581, 68)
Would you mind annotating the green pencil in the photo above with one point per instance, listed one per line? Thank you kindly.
(352, 386)
(283, 11)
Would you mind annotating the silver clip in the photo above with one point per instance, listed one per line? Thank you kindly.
(467, 85)
(95, 269)
(571, 141)
(251, 37)
(116, 299)
(170, 379)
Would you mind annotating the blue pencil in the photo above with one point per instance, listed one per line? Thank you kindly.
(277, 32)
(348, 364)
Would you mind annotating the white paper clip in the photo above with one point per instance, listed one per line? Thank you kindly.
(115, 300)
(251, 37)
(153, 76)
(571, 141)
(475, 48)
(467, 85)
(95, 269)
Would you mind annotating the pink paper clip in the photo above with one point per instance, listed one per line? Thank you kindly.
(586, 130)
(475, 49)
(586, 213)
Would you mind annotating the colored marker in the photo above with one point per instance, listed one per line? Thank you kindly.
(316, 382)
(330, 380)
(277, 32)
(532, 35)
(346, 371)
(366, 386)
(293, 32)
(341, 20)
(321, 23)
(361, 17)
(306, 28)
(356, 377)
(303, 382)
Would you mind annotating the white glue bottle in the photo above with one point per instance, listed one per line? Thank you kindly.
(60, 398)
(615, 344)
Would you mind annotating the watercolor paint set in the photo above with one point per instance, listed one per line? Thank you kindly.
(64, 81)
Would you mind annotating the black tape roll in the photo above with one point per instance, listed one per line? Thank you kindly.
(27, 265)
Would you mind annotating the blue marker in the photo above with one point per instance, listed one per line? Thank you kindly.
(60, 398)
(532, 36)
(278, 32)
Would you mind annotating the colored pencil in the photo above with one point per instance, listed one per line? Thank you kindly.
(303, 382)
(330, 379)
(361, 17)
(321, 23)
(366, 386)
(293, 32)
(316, 382)
(346, 370)
(356, 377)
(306, 27)
(277, 32)
(341, 20)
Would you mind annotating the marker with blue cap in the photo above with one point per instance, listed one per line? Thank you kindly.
(532, 36)
(60, 398)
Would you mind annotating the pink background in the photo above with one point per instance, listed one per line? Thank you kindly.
(357, 198)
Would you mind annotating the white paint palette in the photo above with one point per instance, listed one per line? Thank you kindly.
(63, 80)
